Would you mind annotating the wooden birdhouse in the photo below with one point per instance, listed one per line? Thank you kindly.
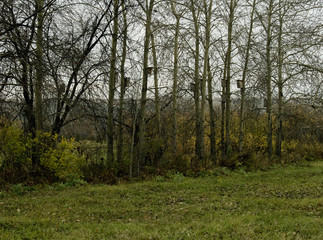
(149, 70)
(192, 86)
(223, 98)
(116, 75)
(61, 88)
(239, 84)
(126, 81)
(223, 82)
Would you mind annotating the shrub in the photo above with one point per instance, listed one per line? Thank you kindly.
(58, 158)
(62, 159)
(14, 146)
(311, 151)
(15, 160)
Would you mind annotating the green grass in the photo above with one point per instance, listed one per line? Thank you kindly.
(282, 203)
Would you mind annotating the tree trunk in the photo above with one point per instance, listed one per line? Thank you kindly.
(223, 99)
(39, 66)
(228, 82)
(133, 137)
(175, 79)
(123, 85)
(112, 79)
(244, 73)
(268, 81)
(212, 116)
(206, 69)
(157, 103)
(280, 86)
(199, 140)
(143, 100)
(28, 93)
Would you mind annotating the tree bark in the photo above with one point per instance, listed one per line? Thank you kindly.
(112, 79)
(39, 66)
(212, 116)
(175, 80)
(123, 85)
(143, 100)
(206, 69)
(156, 85)
(268, 80)
(228, 83)
(244, 73)
(280, 86)
(199, 151)
(223, 99)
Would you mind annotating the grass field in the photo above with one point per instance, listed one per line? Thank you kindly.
(282, 203)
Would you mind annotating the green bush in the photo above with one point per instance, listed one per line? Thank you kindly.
(14, 147)
(15, 155)
(58, 157)
(62, 159)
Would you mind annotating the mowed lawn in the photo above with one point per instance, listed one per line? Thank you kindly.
(281, 203)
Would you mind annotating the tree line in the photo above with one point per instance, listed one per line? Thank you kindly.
(167, 82)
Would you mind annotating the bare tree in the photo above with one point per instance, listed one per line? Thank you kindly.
(70, 92)
(199, 142)
(124, 82)
(280, 82)
(175, 77)
(268, 79)
(112, 79)
(39, 65)
(156, 85)
(207, 78)
(148, 9)
(233, 5)
(244, 74)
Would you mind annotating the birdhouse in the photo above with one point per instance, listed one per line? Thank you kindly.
(126, 81)
(223, 82)
(116, 75)
(265, 103)
(149, 70)
(239, 84)
(223, 98)
(61, 88)
(192, 86)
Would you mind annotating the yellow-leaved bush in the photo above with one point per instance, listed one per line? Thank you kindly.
(57, 155)
(14, 146)
(61, 158)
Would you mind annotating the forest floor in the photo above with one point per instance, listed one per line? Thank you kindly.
(285, 202)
